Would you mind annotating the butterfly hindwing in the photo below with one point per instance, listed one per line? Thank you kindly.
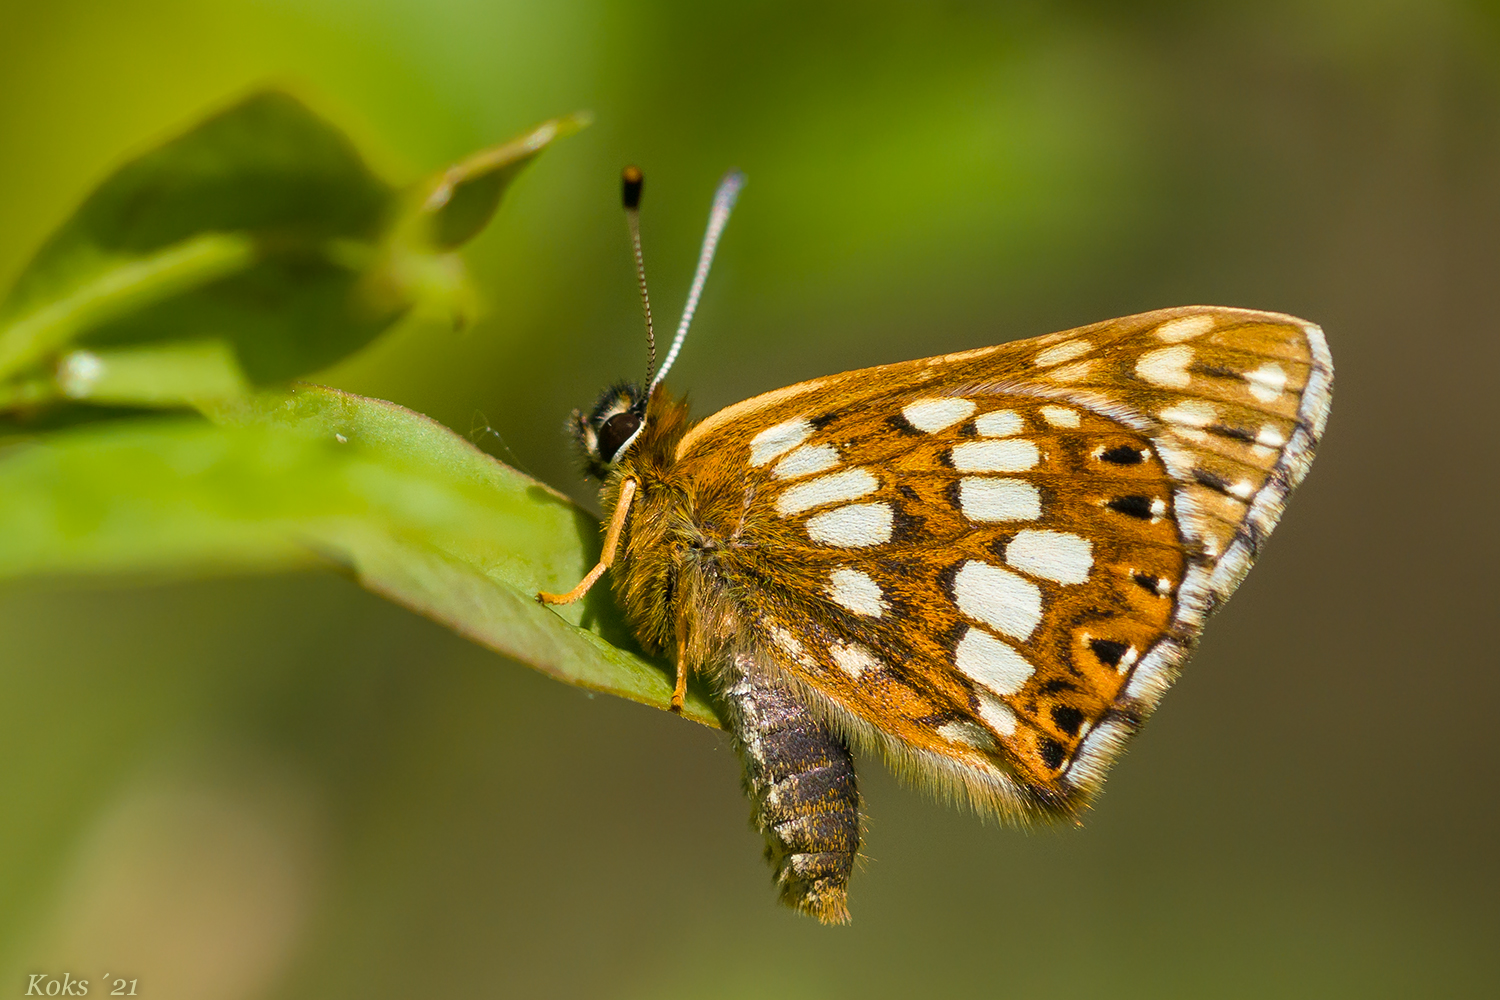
(990, 565)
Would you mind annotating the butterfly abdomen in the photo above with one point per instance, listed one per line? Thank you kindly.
(800, 779)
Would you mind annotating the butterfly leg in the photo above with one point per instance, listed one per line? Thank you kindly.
(606, 558)
(679, 692)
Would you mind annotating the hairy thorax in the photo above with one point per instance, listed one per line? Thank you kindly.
(678, 550)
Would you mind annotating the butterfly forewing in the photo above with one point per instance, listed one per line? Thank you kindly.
(990, 565)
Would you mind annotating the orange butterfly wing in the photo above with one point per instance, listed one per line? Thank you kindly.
(991, 565)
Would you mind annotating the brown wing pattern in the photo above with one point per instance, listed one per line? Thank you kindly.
(991, 565)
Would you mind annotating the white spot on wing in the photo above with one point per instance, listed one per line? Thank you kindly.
(998, 598)
(966, 734)
(856, 591)
(1193, 435)
(998, 423)
(996, 714)
(1231, 568)
(994, 664)
(969, 355)
(847, 485)
(1051, 555)
(1060, 416)
(1066, 351)
(1154, 674)
(1270, 436)
(1191, 413)
(1071, 373)
(1092, 758)
(853, 526)
(1195, 518)
(1174, 331)
(786, 642)
(853, 659)
(1179, 461)
(776, 440)
(1166, 366)
(806, 460)
(932, 415)
(1011, 455)
(1267, 382)
(986, 499)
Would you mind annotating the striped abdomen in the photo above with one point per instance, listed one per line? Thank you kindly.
(800, 779)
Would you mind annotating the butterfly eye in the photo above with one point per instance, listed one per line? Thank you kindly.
(617, 430)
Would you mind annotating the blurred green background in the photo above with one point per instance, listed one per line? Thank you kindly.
(284, 787)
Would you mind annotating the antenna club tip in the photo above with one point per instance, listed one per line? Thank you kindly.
(631, 182)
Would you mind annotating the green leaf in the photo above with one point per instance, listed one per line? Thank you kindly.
(444, 211)
(219, 231)
(458, 202)
(261, 228)
(290, 480)
(255, 247)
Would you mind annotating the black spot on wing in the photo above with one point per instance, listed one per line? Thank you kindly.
(901, 425)
(1234, 433)
(1132, 506)
(897, 607)
(952, 494)
(1052, 753)
(824, 420)
(949, 640)
(968, 430)
(946, 578)
(1123, 455)
(1067, 718)
(1205, 478)
(1148, 583)
(1216, 371)
(1109, 651)
(906, 526)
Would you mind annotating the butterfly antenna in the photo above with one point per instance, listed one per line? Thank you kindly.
(631, 182)
(729, 190)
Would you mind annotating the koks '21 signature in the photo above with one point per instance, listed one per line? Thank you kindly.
(43, 985)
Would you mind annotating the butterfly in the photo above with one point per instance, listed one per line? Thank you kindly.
(985, 567)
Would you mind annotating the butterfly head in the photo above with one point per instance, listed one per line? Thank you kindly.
(607, 431)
